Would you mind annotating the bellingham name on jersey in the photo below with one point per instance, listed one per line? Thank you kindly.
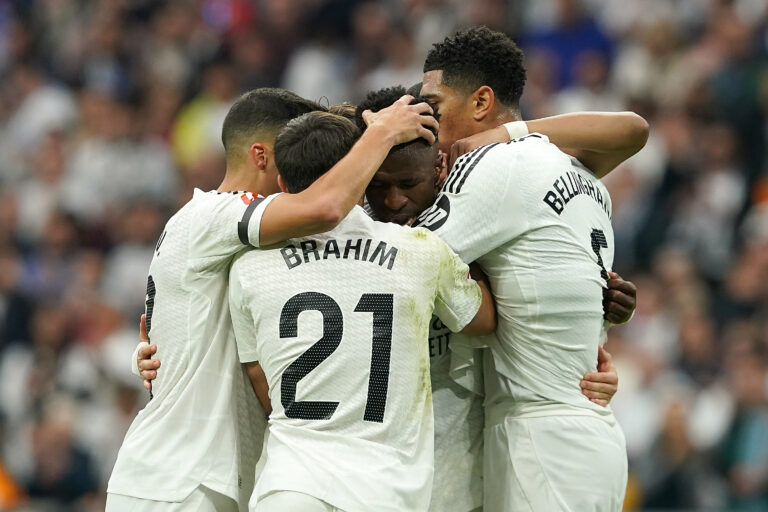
(569, 185)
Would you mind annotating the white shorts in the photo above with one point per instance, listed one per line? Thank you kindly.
(554, 464)
(202, 499)
(292, 501)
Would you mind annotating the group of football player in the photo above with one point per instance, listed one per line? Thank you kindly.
(289, 342)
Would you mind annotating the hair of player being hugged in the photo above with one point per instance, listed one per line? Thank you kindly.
(410, 177)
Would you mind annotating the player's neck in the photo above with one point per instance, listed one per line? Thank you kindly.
(236, 180)
(507, 115)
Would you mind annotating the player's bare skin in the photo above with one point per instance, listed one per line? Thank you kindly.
(599, 140)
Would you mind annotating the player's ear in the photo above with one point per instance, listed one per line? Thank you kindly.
(483, 100)
(441, 170)
(281, 184)
(258, 154)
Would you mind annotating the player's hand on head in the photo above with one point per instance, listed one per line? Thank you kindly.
(146, 365)
(600, 386)
(404, 122)
(467, 144)
(619, 299)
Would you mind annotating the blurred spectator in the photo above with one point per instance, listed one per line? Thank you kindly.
(15, 307)
(63, 471)
(575, 32)
(197, 132)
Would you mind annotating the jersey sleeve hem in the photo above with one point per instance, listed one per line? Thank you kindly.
(249, 227)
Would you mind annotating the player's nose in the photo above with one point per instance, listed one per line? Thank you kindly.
(395, 199)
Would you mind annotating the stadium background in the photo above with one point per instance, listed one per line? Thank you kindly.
(110, 114)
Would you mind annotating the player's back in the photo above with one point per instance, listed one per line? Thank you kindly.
(539, 225)
(203, 424)
(548, 281)
(341, 321)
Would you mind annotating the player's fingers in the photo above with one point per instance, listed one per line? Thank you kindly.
(429, 122)
(602, 403)
(421, 108)
(148, 374)
(617, 309)
(627, 287)
(427, 135)
(598, 387)
(149, 364)
(618, 297)
(147, 385)
(143, 329)
(603, 356)
(146, 351)
(615, 318)
(592, 395)
(404, 100)
(613, 275)
(601, 377)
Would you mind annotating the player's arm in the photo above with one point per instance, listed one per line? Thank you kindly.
(484, 321)
(328, 200)
(461, 303)
(599, 140)
(260, 385)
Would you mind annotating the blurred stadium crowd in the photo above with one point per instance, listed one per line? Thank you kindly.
(110, 113)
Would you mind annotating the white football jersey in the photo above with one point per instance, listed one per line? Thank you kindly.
(339, 323)
(204, 424)
(539, 225)
(457, 398)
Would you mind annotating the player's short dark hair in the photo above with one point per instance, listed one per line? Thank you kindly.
(480, 56)
(262, 111)
(310, 145)
(381, 99)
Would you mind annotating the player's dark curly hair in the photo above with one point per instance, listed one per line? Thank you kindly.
(479, 56)
(381, 99)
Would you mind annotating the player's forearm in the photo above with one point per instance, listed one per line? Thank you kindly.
(600, 140)
(328, 200)
(484, 321)
(260, 385)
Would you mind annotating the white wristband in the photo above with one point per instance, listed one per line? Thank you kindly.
(135, 359)
(516, 129)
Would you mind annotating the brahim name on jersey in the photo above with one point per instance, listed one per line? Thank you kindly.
(361, 249)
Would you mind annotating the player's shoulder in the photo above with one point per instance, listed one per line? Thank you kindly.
(482, 164)
(531, 147)
(212, 200)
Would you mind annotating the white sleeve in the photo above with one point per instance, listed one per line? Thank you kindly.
(480, 206)
(242, 321)
(228, 225)
(458, 296)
